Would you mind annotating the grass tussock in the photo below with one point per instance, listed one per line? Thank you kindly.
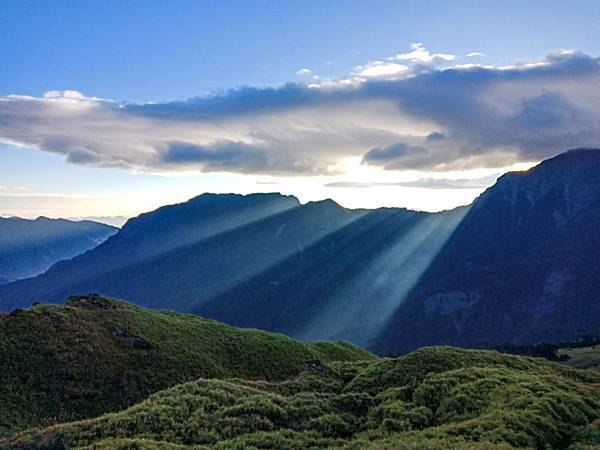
(61, 363)
(435, 398)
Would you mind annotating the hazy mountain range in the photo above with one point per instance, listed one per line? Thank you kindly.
(519, 265)
(30, 247)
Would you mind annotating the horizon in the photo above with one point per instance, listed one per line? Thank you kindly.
(119, 221)
(114, 111)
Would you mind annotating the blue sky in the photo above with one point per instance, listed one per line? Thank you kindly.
(132, 53)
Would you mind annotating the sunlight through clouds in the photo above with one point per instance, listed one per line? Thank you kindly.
(414, 114)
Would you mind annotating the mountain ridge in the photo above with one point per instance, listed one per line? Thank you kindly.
(29, 247)
(520, 265)
(511, 268)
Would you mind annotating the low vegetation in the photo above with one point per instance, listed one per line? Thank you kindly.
(61, 363)
(435, 398)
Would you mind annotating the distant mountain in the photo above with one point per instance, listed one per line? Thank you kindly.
(179, 254)
(94, 355)
(30, 247)
(261, 260)
(519, 265)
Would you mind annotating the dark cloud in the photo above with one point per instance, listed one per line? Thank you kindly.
(436, 136)
(234, 102)
(232, 156)
(222, 155)
(394, 155)
(82, 156)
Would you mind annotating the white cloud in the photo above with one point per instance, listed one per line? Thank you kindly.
(304, 72)
(380, 69)
(419, 54)
(475, 54)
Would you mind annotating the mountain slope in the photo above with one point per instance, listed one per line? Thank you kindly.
(30, 247)
(517, 266)
(522, 266)
(182, 254)
(63, 362)
(341, 286)
(435, 398)
(267, 272)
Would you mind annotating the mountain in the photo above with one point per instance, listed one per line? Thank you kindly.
(30, 247)
(522, 267)
(517, 266)
(261, 260)
(183, 256)
(94, 355)
(435, 398)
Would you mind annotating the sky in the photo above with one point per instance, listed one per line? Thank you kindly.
(109, 108)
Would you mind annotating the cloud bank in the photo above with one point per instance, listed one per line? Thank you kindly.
(413, 111)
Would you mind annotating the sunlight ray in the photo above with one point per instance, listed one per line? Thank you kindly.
(360, 309)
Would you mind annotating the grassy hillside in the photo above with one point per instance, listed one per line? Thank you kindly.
(67, 362)
(435, 398)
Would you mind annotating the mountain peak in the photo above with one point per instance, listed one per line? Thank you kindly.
(574, 159)
(231, 195)
(573, 176)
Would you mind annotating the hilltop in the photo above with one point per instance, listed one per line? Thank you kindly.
(94, 355)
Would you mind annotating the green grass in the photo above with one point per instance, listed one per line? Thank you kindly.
(435, 398)
(582, 357)
(61, 363)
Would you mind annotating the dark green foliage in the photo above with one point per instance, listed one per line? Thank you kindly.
(62, 363)
(435, 398)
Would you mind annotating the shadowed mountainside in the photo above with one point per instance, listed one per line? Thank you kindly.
(522, 267)
(517, 266)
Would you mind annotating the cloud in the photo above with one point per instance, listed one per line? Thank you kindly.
(387, 154)
(380, 69)
(419, 54)
(222, 155)
(475, 54)
(425, 183)
(304, 72)
(424, 113)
